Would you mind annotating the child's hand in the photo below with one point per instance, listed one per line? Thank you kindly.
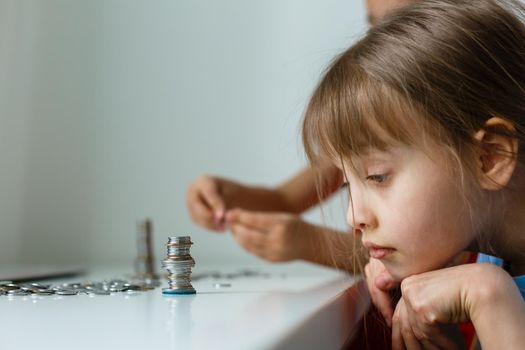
(379, 284)
(275, 237)
(433, 303)
(208, 198)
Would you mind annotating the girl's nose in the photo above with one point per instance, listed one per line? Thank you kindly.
(360, 216)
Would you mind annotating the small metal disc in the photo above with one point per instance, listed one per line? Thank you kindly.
(178, 291)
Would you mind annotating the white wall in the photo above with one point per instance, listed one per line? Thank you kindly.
(110, 108)
(16, 74)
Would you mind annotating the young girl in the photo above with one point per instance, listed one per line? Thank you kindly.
(425, 117)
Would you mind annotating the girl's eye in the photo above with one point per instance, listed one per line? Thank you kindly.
(379, 178)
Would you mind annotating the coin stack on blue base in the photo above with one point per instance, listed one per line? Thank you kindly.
(179, 264)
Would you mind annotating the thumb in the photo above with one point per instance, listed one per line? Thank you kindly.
(385, 281)
(214, 201)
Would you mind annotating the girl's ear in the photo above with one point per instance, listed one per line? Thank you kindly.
(499, 150)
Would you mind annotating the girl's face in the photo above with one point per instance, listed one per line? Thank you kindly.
(407, 208)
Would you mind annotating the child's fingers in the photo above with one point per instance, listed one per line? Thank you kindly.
(248, 236)
(210, 194)
(200, 213)
(382, 297)
(383, 302)
(198, 204)
(378, 280)
(385, 281)
(257, 220)
(398, 342)
(250, 240)
(408, 339)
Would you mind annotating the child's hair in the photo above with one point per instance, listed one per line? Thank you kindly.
(431, 74)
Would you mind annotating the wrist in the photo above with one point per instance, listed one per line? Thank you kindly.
(310, 244)
(497, 310)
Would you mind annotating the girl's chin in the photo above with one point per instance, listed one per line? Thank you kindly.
(398, 277)
(400, 272)
(395, 272)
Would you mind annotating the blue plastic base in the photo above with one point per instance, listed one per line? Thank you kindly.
(175, 292)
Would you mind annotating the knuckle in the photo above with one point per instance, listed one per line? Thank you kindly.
(431, 318)
(406, 285)
(418, 307)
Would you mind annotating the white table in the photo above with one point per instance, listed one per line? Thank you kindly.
(295, 306)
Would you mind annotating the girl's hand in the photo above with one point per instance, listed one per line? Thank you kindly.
(413, 331)
(208, 198)
(433, 303)
(379, 284)
(275, 237)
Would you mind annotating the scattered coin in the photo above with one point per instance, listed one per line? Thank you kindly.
(98, 292)
(91, 288)
(18, 292)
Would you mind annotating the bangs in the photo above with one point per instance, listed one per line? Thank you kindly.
(351, 113)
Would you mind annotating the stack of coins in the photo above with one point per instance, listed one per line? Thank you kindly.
(144, 266)
(179, 264)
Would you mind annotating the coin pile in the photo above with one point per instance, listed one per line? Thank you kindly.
(90, 288)
(179, 264)
(144, 262)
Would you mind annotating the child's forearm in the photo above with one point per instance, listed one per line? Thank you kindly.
(308, 187)
(264, 199)
(499, 315)
(334, 249)
(296, 195)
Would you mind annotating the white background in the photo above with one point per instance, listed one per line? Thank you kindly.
(108, 109)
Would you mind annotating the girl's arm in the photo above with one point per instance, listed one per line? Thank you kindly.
(301, 191)
(498, 311)
(209, 198)
(284, 237)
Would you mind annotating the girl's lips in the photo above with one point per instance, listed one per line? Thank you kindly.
(376, 251)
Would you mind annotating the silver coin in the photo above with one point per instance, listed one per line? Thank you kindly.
(66, 292)
(18, 292)
(44, 292)
(11, 286)
(98, 292)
